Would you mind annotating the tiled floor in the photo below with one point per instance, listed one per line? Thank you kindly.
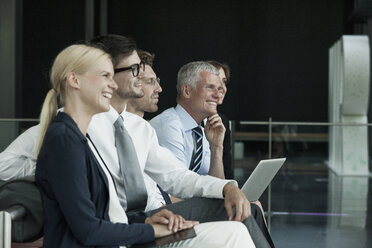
(312, 207)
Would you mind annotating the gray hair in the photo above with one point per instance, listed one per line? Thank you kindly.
(189, 74)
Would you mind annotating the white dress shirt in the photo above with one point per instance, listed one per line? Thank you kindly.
(102, 132)
(174, 130)
(158, 162)
(19, 158)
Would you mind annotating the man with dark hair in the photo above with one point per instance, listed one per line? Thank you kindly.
(146, 57)
(150, 86)
(149, 102)
(116, 45)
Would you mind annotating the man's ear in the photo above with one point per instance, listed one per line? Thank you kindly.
(73, 80)
(186, 91)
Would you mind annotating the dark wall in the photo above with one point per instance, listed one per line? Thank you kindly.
(48, 27)
(278, 50)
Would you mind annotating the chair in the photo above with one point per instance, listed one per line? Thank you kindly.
(21, 211)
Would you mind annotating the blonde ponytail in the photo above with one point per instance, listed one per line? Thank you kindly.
(48, 112)
(77, 58)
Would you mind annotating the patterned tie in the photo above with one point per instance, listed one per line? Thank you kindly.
(197, 154)
(134, 185)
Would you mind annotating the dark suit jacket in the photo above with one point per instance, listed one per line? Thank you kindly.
(75, 193)
(227, 157)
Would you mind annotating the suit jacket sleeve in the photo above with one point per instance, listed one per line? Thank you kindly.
(19, 158)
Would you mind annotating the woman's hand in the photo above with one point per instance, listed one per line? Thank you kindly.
(165, 223)
(166, 217)
(162, 230)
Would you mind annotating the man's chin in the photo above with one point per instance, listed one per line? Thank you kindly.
(138, 94)
(154, 109)
(213, 111)
(150, 108)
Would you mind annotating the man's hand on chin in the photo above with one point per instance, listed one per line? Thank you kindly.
(234, 197)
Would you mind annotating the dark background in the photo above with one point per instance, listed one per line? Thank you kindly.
(277, 50)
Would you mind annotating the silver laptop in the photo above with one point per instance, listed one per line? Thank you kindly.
(261, 178)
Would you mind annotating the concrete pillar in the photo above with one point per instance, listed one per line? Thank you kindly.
(349, 80)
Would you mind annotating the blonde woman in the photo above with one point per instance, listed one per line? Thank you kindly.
(79, 197)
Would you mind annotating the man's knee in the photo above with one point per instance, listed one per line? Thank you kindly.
(255, 210)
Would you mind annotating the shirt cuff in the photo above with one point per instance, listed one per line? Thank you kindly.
(221, 185)
(232, 182)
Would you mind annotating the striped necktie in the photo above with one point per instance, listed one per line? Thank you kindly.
(197, 154)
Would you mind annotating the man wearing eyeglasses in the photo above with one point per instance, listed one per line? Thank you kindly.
(150, 86)
(149, 102)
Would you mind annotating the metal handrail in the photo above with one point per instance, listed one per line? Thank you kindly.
(294, 123)
(13, 213)
(19, 119)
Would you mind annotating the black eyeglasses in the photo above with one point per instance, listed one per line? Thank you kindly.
(135, 68)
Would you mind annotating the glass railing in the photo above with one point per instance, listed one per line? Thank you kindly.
(309, 184)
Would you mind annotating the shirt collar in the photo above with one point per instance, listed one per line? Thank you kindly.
(187, 121)
(112, 115)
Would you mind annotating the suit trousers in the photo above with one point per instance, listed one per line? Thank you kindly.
(208, 209)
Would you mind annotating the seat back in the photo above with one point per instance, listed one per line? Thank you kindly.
(24, 192)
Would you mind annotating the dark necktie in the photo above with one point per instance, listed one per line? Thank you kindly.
(197, 154)
(165, 196)
(134, 185)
